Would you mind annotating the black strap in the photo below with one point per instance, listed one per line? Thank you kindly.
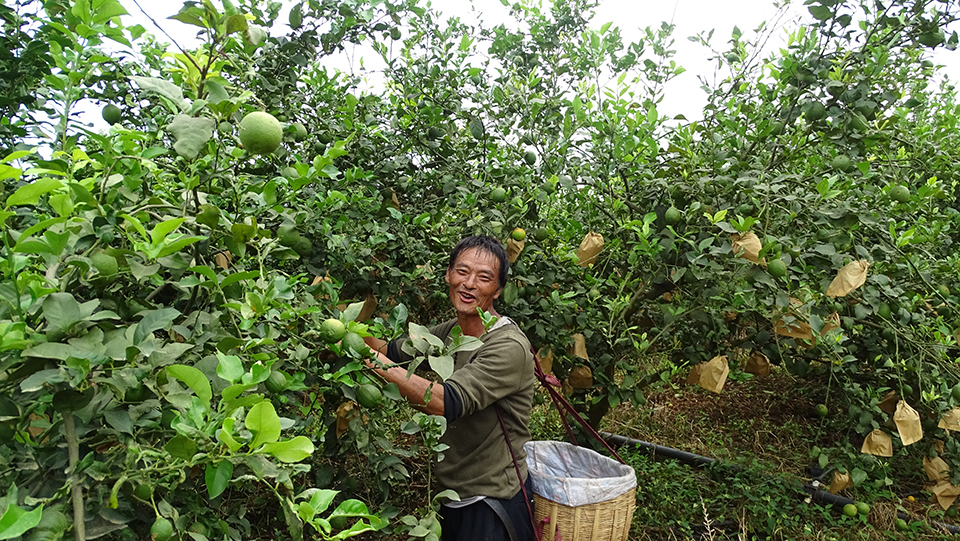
(504, 518)
(516, 466)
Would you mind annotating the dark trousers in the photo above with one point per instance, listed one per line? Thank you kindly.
(479, 522)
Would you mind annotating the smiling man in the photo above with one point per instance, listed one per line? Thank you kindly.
(498, 376)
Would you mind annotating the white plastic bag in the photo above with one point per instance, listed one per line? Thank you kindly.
(575, 476)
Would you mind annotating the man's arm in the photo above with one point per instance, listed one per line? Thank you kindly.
(412, 388)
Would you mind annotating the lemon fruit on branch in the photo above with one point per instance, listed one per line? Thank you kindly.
(260, 133)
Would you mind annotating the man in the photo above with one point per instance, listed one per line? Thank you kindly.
(478, 465)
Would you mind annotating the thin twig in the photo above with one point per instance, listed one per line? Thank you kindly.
(155, 23)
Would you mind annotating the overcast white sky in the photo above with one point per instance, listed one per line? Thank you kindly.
(691, 17)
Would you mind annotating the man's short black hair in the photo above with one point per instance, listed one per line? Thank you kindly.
(484, 243)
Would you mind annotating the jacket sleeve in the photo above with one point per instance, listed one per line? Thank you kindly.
(501, 368)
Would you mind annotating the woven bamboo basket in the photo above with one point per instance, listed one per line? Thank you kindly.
(604, 521)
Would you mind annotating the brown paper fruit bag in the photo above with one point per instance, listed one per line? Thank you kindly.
(793, 323)
(546, 360)
(747, 245)
(590, 247)
(936, 468)
(757, 364)
(908, 423)
(946, 493)
(580, 347)
(369, 307)
(714, 374)
(888, 404)
(694, 377)
(514, 247)
(878, 443)
(950, 420)
(841, 481)
(581, 377)
(850, 277)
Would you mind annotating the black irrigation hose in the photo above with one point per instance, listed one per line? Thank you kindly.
(820, 496)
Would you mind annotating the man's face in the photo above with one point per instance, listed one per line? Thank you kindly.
(474, 281)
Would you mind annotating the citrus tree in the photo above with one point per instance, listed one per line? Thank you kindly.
(183, 298)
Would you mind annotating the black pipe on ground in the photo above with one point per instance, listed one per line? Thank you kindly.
(821, 496)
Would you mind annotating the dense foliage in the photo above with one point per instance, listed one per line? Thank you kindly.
(162, 288)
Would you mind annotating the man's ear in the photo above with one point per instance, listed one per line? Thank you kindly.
(446, 276)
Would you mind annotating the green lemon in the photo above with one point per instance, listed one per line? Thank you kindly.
(821, 410)
(369, 395)
(842, 162)
(225, 127)
(530, 157)
(209, 215)
(672, 215)
(518, 234)
(498, 195)
(260, 133)
(900, 194)
(354, 342)
(850, 510)
(884, 310)
(299, 131)
(105, 263)
(541, 234)
(395, 33)
(901, 525)
(955, 392)
(434, 133)
(162, 529)
(111, 113)
(863, 508)
(303, 247)
(777, 268)
(289, 172)
(952, 512)
(325, 138)
(332, 331)
(814, 111)
(277, 382)
(143, 491)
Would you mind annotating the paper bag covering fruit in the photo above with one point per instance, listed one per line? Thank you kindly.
(747, 245)
(580, 347)
(590, 247)
(841, 481)
(888, 404)
(793, 323)
(908, 423)
(545, 355)
(850, 277)
(945, 493)
(936, 468)
(757, 364)
(950, 420)
(345, 413)
(514, 247)
(877, 443)
(711, 375)
(581, 377)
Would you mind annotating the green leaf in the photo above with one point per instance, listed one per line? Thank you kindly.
(162, 87)
(509, 293)
(15, 521)
(154, 320)
(226, 437)
(62, 311)
(820, 13)
(858, 476)
(352, 312)
(293, 450)
(181, 446)
(263, 421)
(193, 378)
(192, 134)
(442, 365)
(230, 367)
(30, 193)
(107, 10)
(215, 92)
(236, 23)
(163, 229)
(322, 498)
(218, 477)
